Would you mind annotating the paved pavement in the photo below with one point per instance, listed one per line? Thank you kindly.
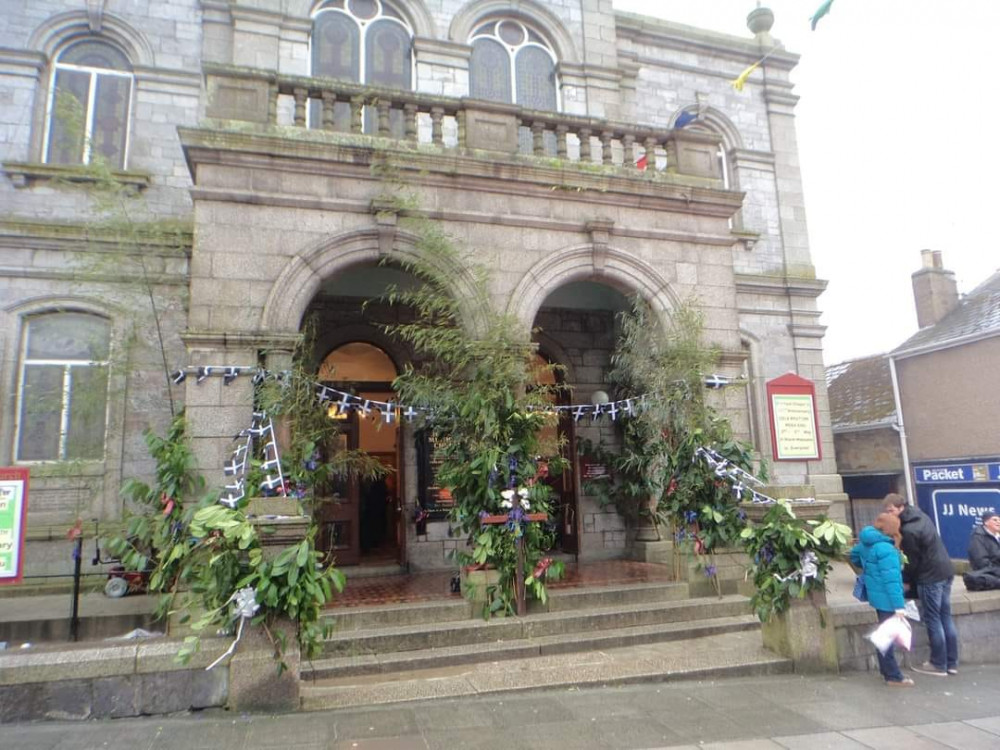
(848, 712)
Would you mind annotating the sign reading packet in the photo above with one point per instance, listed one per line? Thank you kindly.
(957, 473)
(957, 495)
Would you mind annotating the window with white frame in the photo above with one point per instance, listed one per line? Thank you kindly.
(362, 41)
(513, 63)
(89, 105)
(63, 387)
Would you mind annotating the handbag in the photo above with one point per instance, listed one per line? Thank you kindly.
(860, 590)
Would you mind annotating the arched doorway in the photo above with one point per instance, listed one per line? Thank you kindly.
(366, 524)
(559, 439)
(577, 328)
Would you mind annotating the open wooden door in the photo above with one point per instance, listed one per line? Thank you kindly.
(340, 515)
(397, 500)
(568, 518)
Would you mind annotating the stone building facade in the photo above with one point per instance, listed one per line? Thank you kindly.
(258, 142)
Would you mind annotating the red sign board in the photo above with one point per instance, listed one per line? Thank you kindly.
(592, 470)
(13, 514)
(791, 406)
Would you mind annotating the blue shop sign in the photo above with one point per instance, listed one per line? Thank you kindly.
(957, 473)
(955, 496)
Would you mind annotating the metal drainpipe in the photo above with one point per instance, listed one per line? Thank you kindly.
(901, 429)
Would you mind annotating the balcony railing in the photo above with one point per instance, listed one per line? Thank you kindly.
(336, 106)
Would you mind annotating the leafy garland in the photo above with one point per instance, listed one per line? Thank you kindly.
(659, 471)
(200, 553)
(477, 393)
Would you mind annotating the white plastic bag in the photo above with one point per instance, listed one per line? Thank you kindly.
(895, 630)
(912, 612)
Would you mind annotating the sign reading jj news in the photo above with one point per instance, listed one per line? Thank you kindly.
(13, 511)
(956, 495)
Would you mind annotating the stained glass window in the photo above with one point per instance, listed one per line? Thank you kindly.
(64, 387)
(88, 115)
(362, 41)
(512, 63)
(489, 72)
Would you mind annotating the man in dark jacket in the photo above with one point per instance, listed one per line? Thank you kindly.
(984, 555)
(984, 546)
(929, 570)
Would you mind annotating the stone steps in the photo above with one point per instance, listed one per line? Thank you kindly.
(521, 648)
(346, 619)
(415, 636)
(734, 653)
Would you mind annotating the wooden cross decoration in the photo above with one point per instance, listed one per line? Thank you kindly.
(494, 520)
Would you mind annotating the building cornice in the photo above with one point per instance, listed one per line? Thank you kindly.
(355, 156)
(680, 37)
(781, 285)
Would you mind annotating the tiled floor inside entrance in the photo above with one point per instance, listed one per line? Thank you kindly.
(436, 585)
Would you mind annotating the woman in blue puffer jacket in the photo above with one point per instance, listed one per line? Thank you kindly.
(877, 553)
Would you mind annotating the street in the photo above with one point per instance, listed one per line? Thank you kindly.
(835, 712)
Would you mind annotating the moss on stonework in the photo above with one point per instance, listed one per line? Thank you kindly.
(169, 234)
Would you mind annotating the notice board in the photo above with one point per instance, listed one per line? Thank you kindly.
(791, 406)
(13, 513)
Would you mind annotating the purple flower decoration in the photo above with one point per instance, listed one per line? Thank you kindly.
(680, 535)
(690, 516)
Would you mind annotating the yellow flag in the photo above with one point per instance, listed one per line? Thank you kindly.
(742, 77)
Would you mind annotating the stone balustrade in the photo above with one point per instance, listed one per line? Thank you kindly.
(323, 104)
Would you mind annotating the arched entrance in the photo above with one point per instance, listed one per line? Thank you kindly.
(559, 439)
(576, 327)
(365, 524)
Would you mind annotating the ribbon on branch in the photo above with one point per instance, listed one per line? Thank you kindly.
(245, 606)
(740, 480)
(808, 568)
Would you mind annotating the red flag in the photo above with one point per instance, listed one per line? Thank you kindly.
(641, 163)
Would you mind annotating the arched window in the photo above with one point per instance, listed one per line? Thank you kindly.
(513, 63)
(90, 105)
(362, 41)
(358, 362)
(63, 387)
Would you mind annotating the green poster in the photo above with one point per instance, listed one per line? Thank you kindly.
(13, 506)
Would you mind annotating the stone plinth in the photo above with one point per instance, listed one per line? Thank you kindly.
(661, 552)
(254, 682)
(730, 572)
(805, 634)
(475, 583)
(280, 523)
(802, 498)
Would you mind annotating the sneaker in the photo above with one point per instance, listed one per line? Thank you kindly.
(928, 668)
(953, 670)
(905, 682)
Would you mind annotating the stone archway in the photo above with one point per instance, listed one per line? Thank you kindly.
(304, 273)
(605, 265)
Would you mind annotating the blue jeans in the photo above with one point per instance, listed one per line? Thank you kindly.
(887, 665)
(935, 611)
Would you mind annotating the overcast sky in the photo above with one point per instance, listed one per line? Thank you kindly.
(895, 126)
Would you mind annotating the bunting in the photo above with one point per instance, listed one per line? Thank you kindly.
(261, 429)
(820, 12)
(740, 81)
(391, 412)
(741, 482)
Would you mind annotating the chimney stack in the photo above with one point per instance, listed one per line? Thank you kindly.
(935, 291)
